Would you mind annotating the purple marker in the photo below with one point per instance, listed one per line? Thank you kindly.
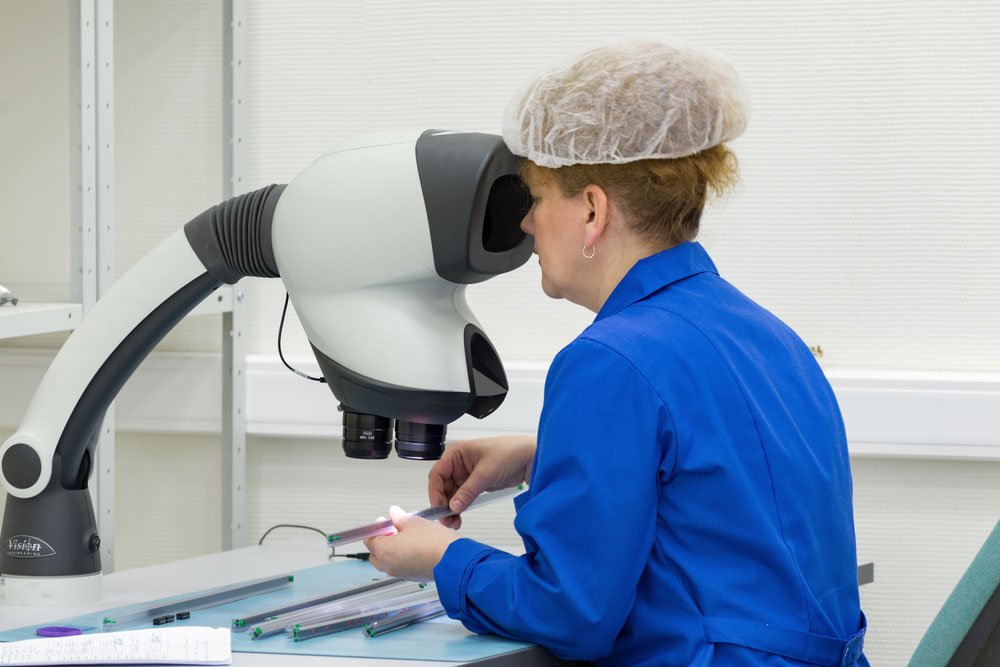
(58, 631)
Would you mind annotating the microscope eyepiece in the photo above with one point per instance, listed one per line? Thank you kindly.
(424, 442)
(366, 436)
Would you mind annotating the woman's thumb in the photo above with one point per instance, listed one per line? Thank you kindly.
(466, 493)
(399, 516)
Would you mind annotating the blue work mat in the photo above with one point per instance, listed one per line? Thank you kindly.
(437, 639)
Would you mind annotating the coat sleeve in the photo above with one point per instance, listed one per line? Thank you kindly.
(587, 520)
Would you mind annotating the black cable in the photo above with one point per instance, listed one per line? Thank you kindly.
(363, 556)
(281, 326)
(289, 525)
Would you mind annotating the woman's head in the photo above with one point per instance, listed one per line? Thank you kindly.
(623, 144)
(660, 200)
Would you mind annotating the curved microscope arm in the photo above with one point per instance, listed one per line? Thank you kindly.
(48, 460)
(94, 363)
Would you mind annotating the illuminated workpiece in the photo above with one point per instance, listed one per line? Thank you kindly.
(386, 527)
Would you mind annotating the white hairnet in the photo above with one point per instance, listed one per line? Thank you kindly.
(630, 101)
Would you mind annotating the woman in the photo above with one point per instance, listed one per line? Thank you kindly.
(690, 491)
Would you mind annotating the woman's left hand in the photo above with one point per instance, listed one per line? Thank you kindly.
(412, 552)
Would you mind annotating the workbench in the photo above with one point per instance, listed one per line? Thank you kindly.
(140, 586)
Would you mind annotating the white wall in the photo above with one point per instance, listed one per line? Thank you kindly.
(869, 166)
(870, 162)
(866, 218)
(921, 523)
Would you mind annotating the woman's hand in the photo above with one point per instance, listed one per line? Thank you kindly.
(466, 469)
(413, 552)
(469, 467)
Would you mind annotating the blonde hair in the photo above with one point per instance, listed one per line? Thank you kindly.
(661, 199)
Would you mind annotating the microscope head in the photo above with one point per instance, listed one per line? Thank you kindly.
(375, 242)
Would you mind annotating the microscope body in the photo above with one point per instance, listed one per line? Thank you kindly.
(375, 243)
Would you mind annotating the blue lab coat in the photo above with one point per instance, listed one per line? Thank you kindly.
(690, 500)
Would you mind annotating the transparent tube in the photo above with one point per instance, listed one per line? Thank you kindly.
(212, 598)
(278, 624)
(241, 623)
(361, 616)
(371, 606)
(386, 527)
(404, 618)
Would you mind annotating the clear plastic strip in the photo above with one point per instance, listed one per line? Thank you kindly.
(363, 609)
(361, 617)
(404, 618)
(240, 624)
(202, 601)
(348, 605)
(386, 527)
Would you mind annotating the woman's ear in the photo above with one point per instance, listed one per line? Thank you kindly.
(598, 211)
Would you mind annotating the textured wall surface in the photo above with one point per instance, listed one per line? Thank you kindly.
(866, 218)
(921, 523)
(168, 132)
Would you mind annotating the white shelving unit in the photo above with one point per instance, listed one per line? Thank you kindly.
(91, 227)
(30, 319)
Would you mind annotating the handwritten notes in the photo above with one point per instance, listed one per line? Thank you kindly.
(158, 646)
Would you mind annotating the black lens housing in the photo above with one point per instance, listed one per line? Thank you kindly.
(366, 436)
(422, 442)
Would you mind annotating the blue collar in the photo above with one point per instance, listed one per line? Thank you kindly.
(656, 272)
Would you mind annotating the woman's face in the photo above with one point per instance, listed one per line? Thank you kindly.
(556, 222)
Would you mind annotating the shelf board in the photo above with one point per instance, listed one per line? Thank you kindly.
(29, 318)
(39, 317)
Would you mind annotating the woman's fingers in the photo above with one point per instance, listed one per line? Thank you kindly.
(448, 473)
(468, 492)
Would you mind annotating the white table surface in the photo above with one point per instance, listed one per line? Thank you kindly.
(141, 585)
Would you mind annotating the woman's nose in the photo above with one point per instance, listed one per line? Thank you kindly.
(527, 224)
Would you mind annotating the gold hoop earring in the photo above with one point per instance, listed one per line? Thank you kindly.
(591, 255)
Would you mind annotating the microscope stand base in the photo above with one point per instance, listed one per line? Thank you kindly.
(50, 590)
